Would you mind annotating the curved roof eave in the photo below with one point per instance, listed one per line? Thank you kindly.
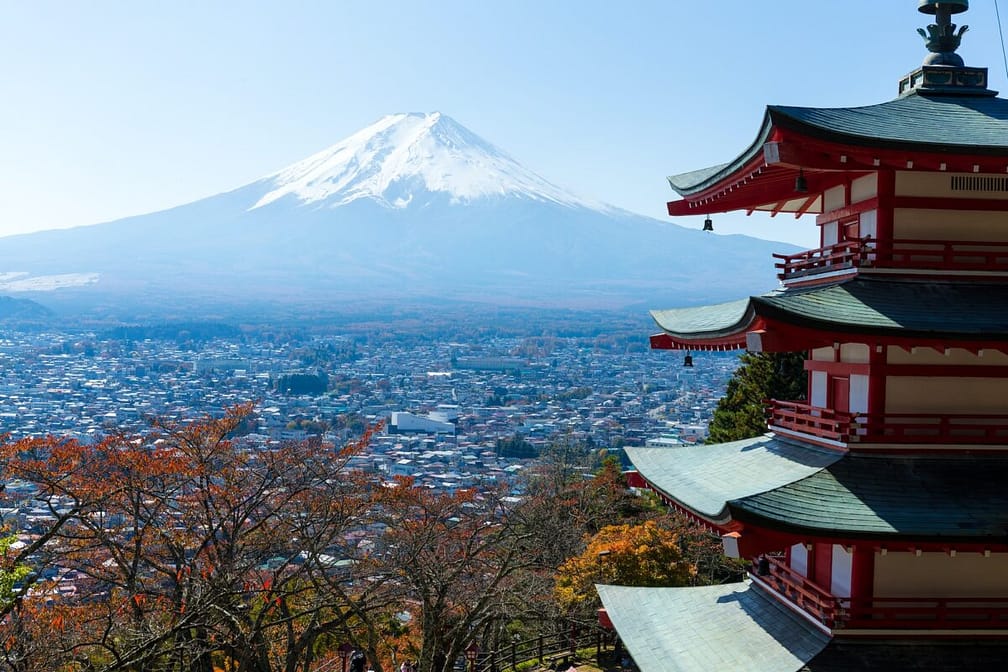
(705, 478)
(695, 181)
(920, 123)
(706, 322)
(895, 308)
(941, 125)
(940, 498)
(881, 307)
(735, 626)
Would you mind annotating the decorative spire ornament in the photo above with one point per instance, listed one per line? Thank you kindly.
(941, 37)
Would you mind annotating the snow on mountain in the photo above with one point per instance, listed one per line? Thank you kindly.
(401, 159)
(414, 207)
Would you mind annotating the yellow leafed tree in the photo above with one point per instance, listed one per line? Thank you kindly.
(644, 554)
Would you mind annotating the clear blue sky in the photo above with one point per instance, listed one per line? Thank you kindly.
(119, 108)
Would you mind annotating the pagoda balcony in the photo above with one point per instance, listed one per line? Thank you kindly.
(931, 428)
(829, 259)
(777, 577)
(894, 613)
(889, 428)
(900, 255)
(802, 418)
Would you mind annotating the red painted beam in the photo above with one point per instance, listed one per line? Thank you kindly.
(669, 342)
(933, 203)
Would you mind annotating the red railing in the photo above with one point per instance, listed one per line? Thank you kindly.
(806, 419)
(932, 428)
(906, 254)
(848, 254)
(926, 613)
(945, 255)
(800, 591)
(892, 613)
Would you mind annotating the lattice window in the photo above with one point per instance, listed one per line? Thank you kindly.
(979, 183)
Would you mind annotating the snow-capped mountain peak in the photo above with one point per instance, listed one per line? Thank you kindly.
(404, 159)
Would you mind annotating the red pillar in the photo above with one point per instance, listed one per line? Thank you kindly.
(877, 367)
(862, 578)
(884, 216)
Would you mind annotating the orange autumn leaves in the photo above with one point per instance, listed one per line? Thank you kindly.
(180, 546)
(643, 554)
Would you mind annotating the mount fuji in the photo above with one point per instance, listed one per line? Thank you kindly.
(415, 206)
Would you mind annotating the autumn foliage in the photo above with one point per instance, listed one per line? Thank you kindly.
(184, 549)
(641, 554)
(187, 551)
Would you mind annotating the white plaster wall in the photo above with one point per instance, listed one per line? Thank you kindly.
(829, 234)
(941, 575)
(818, 389)
(854, 353)
(864, 188)
(914, 394)
(822, 354)
(940, 184)
(965, 225)
(799, 559)
(869, 223)
(843, 563)
(858, 393)
(834, 198)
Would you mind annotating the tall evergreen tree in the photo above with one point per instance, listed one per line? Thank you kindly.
(741, 412)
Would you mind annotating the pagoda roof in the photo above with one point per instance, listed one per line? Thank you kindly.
(929, 123)
(949, 498)
(783, 485)
(705, 478)
(734, 626)
(911, 127)
(738, 626)
(896, 308)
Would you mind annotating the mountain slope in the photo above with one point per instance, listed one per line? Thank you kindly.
(403, 156)
(414, 206)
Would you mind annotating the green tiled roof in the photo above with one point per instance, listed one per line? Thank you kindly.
(709, 321)
(863, 305)
(917, 122)
(901, 307)
(921, 497)
(704, 478)
(686, 180)
(938, 123)
(727, 627)
(783, 484)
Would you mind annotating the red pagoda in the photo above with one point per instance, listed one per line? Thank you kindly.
(875, 513)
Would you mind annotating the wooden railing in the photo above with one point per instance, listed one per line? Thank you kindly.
(546, 648)
(905, 254)
(800, 591)
(924, 613)
(848, 254)
(943, 255)
(806, 419)
(930, 428)
(892, 613)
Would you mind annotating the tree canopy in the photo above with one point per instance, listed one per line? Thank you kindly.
(189, 549)
(741, 412)
(641, 554)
